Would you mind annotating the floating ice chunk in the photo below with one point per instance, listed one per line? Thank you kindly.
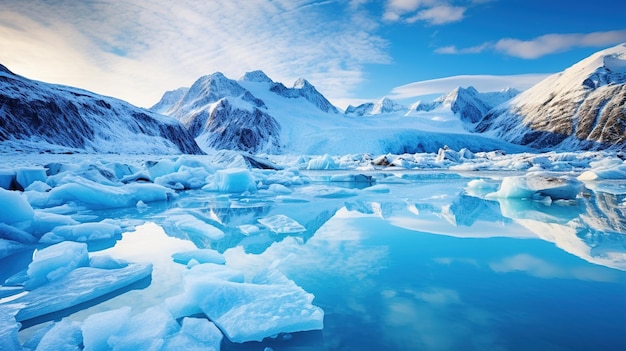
(378, 189)
(6, 178)
(26, 176)
(101, 196)
(8, 330)
(83, 232)
(38, 186)
(80, 285)
(195, 226)
(160, 168)
(604, 171)
(233, 180)
(9, 247)
(200, 255)
(481, 187)
(352, 178)
(267, 305)
(44, 222)
(189, 178)
(97, 328)
(15, 234)
(537, 185)
(322, 162)
(196, 334)
(145, 331)
(186, 304)
(53, 262)
(281, 224)
(64, 335)
(279, 189)
(15, 207)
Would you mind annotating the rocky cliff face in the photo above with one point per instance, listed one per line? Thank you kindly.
(582, 107)
(36, 112)
(233, 127)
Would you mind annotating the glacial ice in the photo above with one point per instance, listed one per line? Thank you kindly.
(64, 335)
(65, 205)
(250, 310)
(193, 226)
(232, 181)
(196, 334)
(15, 207)
(28, 175)
(98, 327)
(538, 185)
(79, 285)
(83, 232)
(54, 262)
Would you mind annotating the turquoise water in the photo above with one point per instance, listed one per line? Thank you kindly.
(413, 264)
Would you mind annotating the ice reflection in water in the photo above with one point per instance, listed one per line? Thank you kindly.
(418, 263)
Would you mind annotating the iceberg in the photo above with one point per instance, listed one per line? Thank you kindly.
(15, 207)
(80, 285)
(266, 305)
(196, 334)
(54, 262)
(83, 232)
(98, 327)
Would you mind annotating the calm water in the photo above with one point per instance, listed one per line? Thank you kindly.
(417, 265)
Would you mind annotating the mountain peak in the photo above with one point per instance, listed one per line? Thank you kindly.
(302, 83)
(5, 70)
(257, 76)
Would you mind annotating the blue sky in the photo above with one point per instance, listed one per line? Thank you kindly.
(350, 50)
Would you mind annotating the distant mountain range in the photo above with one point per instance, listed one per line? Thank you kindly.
(580, 108)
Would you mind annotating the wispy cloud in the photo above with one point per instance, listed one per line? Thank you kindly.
(139, 49)
(542, 45)
(434, 12)
(482, 83)
(439, 15)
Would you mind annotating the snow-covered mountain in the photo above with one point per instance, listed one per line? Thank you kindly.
(221, 114)
(581, 107)
(469, 105)
(384, 105)
(39, 116)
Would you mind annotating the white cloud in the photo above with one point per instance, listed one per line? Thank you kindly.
(137, 50)
(542, 45)
(554, 43)
(483, 83)
(439, 15)
(435, 12)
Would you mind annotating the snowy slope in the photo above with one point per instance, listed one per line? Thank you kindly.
(581, 107)
(221, 114)
(265, 116)
(38, 116)
(384, 105)
(466, 104)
